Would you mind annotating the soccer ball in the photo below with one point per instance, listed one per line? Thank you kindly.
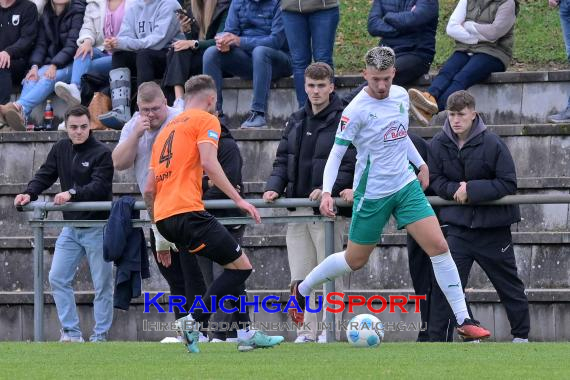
(365, 330)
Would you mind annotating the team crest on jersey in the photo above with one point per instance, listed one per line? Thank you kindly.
(213, 135)
(396, 131)
(15, 20)
(402, 108)
(343, 123)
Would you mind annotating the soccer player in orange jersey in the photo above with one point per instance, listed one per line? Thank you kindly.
(182, 152)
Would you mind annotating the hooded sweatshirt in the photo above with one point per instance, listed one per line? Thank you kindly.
(150, 24)
(485, 164)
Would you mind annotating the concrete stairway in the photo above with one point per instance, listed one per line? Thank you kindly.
(513, 104)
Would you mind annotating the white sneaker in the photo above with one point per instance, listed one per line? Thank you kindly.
(66, 338)
(216, 340)
(304, 339)
(520, 340)
(231, 340)
(322, 339)
(203, 339)
(61, 126)
(68, 92)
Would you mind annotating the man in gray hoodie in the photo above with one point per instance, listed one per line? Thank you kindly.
(148, 29)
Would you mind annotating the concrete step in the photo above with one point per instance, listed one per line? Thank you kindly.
(543, 262)
(511, 97)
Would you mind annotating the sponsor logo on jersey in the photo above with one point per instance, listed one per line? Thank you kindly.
(372, 116)
(343, 123)
(213, 135)
(396, 131)
(15, 20)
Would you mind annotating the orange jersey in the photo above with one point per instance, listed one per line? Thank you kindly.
(176, 164)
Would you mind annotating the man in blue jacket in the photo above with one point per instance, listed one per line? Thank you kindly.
(85, 171)
(253, 46)
(408, 27)
(470, 165)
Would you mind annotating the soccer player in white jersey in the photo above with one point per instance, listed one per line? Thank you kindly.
(376, 123)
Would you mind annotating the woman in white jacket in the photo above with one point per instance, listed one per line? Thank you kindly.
(102, 20)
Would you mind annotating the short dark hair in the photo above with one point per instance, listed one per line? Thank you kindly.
(460, 100)
(199, 83)
(77, 110)
(319, 71)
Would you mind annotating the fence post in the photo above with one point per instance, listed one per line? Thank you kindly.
(38, 215)
(329, 286)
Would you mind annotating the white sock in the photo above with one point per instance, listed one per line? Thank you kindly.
(330, 268)
(245, 334)
(448, 280)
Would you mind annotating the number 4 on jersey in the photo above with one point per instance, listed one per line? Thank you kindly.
(166, 153)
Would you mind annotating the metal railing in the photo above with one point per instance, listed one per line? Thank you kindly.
(40, 211)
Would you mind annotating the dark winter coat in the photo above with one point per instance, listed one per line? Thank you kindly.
(285, 167)
(485, 163)
(231, 161)
(126, 247)
(403, 30)
(57, 38)
(87, 168)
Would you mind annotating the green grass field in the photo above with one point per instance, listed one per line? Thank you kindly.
(309, 361)
(538, 38)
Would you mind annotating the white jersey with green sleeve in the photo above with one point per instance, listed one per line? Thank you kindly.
(379, 131)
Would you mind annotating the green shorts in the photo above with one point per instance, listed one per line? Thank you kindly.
(369, 216)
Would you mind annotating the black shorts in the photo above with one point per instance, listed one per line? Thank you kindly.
(200, 233)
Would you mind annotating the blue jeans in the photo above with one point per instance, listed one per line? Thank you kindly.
(460, 72)
(35, 92)
(100, 63)
(263, 65)
(565, 23)
(71, 246)
(311, 37)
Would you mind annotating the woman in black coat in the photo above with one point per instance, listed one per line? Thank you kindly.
(51, 59)
(203, 20)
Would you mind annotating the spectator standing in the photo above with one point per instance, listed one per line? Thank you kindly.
(84, 168)
(483, 31)
(18, 31)
(310, 27)
(203, 20)
(51, 59)
(147, 31)
(470, 164)
(298, 172)
(102, 20)
(231, 161)
(253, 46)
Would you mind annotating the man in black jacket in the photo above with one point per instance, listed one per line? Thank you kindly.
(85, 171)
(298, 171)
(18, 30)
(231, 161)
(470, 165)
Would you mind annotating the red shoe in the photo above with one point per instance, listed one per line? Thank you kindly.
(470, 329)
(295, 316)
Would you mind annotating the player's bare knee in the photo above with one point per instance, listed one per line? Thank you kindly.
(356, 262)
(438, 247)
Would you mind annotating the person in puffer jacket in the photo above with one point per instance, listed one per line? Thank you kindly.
(470, 165)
